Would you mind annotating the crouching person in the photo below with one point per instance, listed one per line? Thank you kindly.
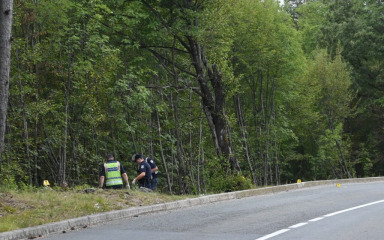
(112, 173)
(144, 172)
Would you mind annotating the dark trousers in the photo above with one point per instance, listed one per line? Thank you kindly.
(145, 183)
(115, 187)
(154, 184)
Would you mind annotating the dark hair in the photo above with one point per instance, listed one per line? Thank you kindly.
(137, 156)
(109, 157)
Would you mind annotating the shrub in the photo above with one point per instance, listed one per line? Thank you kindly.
(220, 181)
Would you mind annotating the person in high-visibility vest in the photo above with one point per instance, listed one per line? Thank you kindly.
(112, 173)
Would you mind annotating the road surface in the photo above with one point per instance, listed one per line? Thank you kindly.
(351, 211)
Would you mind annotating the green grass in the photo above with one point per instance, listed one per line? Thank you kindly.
(21, 209)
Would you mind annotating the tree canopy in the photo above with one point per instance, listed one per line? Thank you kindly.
(222, 94)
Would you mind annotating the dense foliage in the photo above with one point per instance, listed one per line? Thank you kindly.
(222, 94)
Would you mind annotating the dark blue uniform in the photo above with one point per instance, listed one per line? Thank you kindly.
(146, 180)
(154, 181)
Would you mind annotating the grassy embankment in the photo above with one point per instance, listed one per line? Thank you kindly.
(21, 209)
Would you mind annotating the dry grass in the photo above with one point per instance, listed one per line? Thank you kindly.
(31, 208)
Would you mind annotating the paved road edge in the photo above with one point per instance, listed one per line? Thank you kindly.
(83, 222)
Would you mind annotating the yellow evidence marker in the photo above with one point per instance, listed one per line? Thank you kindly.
(298, 180)
(46, 183)
(338, 185)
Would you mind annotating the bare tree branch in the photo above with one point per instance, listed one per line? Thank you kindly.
(165, 47)
(166, 25)
(161, 57)
(174, 87)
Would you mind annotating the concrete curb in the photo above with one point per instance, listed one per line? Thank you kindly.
(83, 222)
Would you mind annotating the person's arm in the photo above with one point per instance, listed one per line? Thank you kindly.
(153, 165)
(101, 181)
(140, 176)
(125, 177)
(154, 169)
(102, 176)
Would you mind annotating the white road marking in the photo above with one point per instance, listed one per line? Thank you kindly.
(354, 208)
(273, 234)
(316, 219)
(298, 225)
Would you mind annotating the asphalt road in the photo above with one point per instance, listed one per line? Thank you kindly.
(351, 211)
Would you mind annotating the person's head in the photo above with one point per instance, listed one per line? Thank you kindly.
(138, 158)
(109, 157)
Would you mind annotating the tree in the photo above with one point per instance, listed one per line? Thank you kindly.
(267, 59)
(357, 26)
(184, 53)
(6, 12)
(320, 116)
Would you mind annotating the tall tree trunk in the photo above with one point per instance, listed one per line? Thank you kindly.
(213, 102)
(182, 171)
(191, 152)
(261, 120)
(25, 124)
(6, 12)
(254, 84)
(343, 159)
(200, 156)
(35, 158)
(180, 157)
(241, 122)
(151, 150)
(267, 129)
(63, 163)
(162, 153)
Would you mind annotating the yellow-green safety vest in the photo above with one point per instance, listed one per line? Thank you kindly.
(112, 173)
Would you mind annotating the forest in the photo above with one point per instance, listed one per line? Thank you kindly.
(223, 94)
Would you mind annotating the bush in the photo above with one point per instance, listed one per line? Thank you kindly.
(220, 181)
(13, 177)
(230, 183)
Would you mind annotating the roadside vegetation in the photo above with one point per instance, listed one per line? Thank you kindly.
(23, 206)
(27, 208)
